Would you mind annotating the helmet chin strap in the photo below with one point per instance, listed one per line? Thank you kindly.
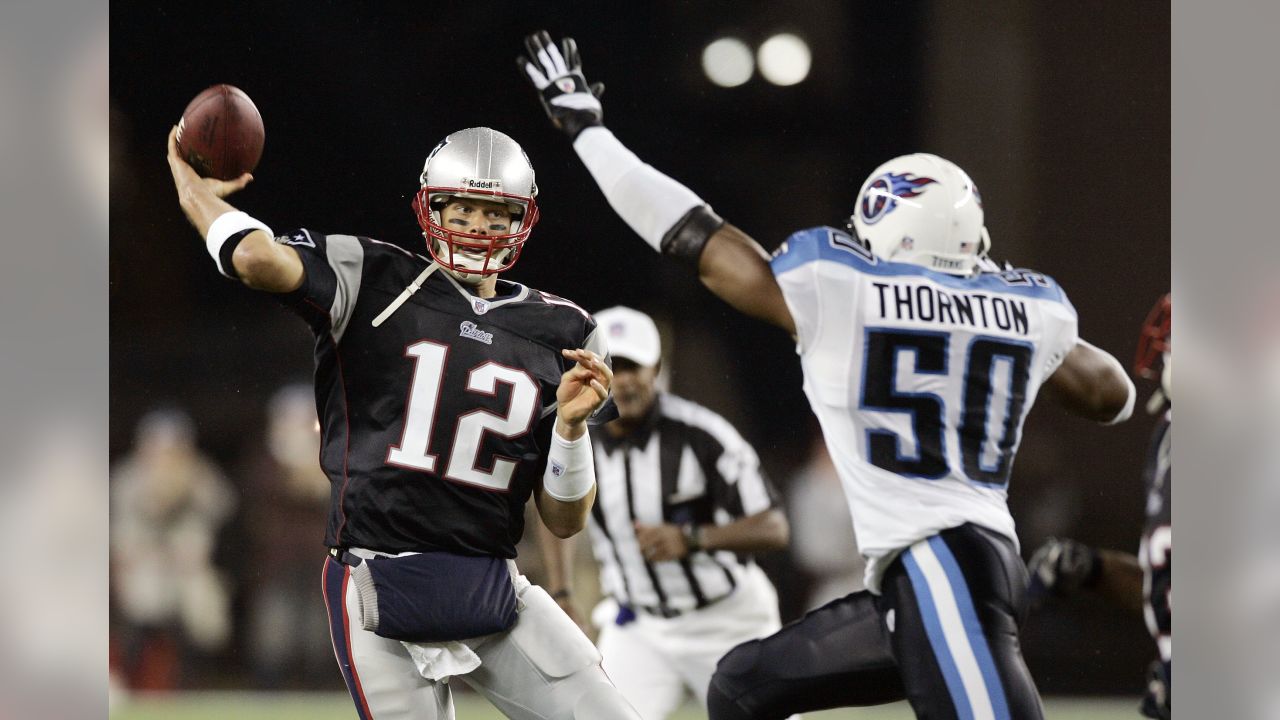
(466, 278)
(406, 294)
(473, 277)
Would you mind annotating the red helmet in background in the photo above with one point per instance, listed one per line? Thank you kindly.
(1154, 343)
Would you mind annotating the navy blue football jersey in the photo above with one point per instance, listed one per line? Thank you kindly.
(435, 423)
(1156, 555)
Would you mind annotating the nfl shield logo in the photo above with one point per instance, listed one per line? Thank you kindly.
(565, 84)
(480, 305)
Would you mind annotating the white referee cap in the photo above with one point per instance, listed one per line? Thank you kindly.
(630, 334)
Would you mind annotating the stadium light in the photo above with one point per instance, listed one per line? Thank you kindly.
(784, 59)
(728, 62)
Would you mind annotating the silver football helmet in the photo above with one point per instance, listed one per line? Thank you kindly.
(482, 164)
(924, 210)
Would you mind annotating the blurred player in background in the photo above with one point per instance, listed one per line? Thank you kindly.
(1141, 584)
(447, 397)
(168, 503)
(822, 540)
(681, 501)
(920, 361)
(286, 494)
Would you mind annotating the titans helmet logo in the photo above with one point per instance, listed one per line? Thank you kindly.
(883, 193)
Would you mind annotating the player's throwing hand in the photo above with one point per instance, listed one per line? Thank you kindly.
(556, 73)
(185, 178)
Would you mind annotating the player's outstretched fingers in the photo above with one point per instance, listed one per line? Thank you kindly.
(592, 362)
(572, 59)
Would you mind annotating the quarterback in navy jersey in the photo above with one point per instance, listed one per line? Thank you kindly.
(921, 361)
(447, 398)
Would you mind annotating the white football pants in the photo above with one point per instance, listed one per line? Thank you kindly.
(543, 668)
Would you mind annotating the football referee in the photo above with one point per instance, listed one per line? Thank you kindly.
(681, 503)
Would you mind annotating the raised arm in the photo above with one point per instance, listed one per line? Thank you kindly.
(666, 214)
(241, 246)
(1091, 383)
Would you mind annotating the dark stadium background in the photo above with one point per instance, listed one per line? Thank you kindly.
(1060, 112)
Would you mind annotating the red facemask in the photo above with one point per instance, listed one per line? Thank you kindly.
(499, 252)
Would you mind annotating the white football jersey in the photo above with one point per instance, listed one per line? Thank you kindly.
(921, 381)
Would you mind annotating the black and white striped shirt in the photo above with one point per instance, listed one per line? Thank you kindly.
(684, 464)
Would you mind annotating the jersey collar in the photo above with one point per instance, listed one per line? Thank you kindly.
(508, 292)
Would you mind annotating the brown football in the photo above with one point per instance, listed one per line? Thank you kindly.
(220, 133)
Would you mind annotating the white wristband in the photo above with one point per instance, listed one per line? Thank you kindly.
(1127, 410)
(648, 201)
(571, 468)
(220, 230)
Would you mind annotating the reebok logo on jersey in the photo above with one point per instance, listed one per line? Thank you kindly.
(469, 330)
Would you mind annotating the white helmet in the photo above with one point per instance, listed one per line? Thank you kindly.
(924, 210)
(482, 164)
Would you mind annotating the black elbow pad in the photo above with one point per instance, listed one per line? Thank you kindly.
(686, 239)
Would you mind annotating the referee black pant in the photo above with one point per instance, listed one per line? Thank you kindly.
(943, 634)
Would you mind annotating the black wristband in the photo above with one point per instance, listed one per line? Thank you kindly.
(574, 123)
(228, 249)
(686, 239)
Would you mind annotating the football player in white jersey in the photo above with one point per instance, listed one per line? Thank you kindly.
(920, 361)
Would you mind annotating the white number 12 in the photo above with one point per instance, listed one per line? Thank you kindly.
(420, 417)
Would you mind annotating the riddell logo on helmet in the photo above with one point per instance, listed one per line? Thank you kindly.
(482, 184)
(884, 192)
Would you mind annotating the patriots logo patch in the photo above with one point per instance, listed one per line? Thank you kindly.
(884, 192)
(298, 238)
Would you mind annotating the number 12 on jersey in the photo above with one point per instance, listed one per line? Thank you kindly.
(993, 381)
(420, 418)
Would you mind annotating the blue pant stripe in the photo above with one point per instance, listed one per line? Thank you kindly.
(973, 628)
(937, 639)
(335, 601)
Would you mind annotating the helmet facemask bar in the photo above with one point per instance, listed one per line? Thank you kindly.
(450, 247)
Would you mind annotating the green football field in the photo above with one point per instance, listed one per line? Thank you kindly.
(325, 706)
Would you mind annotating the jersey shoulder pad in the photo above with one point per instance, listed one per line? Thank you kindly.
(1026, 281)
(821, 244)
(561, 322)
(559, 302)
(316, 241)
